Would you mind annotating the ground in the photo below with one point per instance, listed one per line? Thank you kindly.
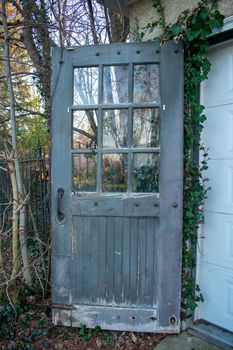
(33, 330)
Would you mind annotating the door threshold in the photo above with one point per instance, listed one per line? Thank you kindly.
(212, 334)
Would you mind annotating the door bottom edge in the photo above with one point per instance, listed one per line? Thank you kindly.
(112, 318)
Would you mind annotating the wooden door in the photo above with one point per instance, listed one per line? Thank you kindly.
(117, 150)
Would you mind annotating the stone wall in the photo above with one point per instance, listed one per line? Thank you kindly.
(143, 12)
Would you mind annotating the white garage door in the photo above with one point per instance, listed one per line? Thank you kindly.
(215, 250)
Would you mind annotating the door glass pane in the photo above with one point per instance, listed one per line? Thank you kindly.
(84, 172)
(114, 172)
(115, 84)
(85, 129)
(146, 83)
(145, 172)
(115, 128)
(86, 85)
(146, 127)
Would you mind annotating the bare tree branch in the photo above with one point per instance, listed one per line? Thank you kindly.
(27, 274)
(92, 22)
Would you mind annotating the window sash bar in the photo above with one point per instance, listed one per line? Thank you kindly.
(115, 150)
(143, 105)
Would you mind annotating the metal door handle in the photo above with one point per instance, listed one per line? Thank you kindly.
(60, 193)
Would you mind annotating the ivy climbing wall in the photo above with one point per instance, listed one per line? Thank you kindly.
(193, 26)
(143, 12)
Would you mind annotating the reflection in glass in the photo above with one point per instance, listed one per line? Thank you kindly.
(86, 85)
(84, 172)
(85, 129)
(115, 84)
(145, 172)
(146, 127)
(114, 170)
(146, 83)
(115, 128)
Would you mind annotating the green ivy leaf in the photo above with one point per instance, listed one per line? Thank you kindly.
(204, 13)
(176, 29)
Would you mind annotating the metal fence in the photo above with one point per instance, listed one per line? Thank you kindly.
(35, 176)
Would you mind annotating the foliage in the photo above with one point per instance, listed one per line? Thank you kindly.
(194, 27)
(30, 120)
(34, 27)
(146, 179)
(10, 315)
(31, 130)
(87, 333)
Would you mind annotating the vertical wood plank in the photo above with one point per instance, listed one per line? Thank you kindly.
(152, 228)
(126, 252)
(102, 257)
(171, 183)
(87, 250)
(94, 258)
(110, 245)
(99, 179)
(100, 86)
(130, 127)
(79, 271)
(142, 235)
(118, 260)
(133, 277)
(60, 160)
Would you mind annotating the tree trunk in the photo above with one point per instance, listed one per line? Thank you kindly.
(15, 228)
(1, 257)
(22, 238)
(92, 22)
(119, 27)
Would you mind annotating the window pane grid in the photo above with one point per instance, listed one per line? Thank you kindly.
(145, 171)
(85, 126)
(129, 179)
(130, 164)
(130, 126)
(85, 89)
(114, 172)
(100, 86)
(99, 173)
(146, 83)
(115, 128)
(115, 83)
(130, 82)
(145, 127)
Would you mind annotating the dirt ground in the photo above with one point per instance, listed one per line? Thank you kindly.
(34, 331)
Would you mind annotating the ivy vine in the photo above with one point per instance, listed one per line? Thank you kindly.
(193, 27)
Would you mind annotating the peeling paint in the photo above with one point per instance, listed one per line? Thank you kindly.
(142, 320)
(118, 253)
(136, 320)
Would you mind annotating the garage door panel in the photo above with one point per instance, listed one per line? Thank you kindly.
(218, 236)
(218, 131)
(215, 246)
(217, 287)
(220, 196)
(218, 89)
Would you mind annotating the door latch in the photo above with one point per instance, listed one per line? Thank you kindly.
(60, 193)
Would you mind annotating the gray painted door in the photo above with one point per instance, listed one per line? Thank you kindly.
(117, 150)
